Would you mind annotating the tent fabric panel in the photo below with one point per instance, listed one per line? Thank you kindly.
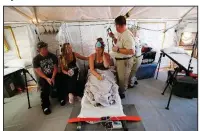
(12, 52)
(13, 16)
(159, 12)
(29, 11)
(22, 39)
(96, 13)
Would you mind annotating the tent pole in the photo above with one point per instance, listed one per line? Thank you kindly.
(187, 13)
(16, 23)
(128, 13)
(105, 20)
(15, 41)
(193, 49)
(35, 13)
(180, 19)
(20, 12)
(139, 11)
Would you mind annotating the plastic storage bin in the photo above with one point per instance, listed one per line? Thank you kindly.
(146, 71)
(9, 87)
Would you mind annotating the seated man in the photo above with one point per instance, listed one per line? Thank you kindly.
(45, 66)
(101, 88)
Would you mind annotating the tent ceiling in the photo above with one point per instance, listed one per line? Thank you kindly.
(26, 14)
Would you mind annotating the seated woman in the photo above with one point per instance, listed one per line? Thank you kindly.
(70, 70)
(101, 87)
(99, 60)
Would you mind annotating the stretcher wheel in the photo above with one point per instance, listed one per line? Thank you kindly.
(78, 128)
(124, 125)
(126, 129)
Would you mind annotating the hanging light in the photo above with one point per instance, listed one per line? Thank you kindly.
(41, 29)
(58, 26)
(187, 38)
(51, 29)
(54, 27)
(47, 28)
(35, 21)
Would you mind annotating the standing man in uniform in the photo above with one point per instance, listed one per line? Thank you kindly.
(138, 59)
(123, 53)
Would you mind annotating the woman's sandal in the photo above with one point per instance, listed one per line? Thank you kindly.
(71, 99)
(79, 98)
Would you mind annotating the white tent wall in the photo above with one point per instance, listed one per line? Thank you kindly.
(53, 44)
(191, 27)
(26, 40)
(22, 38)
(168, 42)
(94, 13)
(158, 39)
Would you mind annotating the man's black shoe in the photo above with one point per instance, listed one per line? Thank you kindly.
(47, 111)
(62, 102)
(130, 86)
(122, 96)
(136, 83)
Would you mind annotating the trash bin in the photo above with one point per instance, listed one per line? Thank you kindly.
(19, 80)
(186, 87)
(9, 87)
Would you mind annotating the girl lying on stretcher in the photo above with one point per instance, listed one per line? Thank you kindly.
(101, 88)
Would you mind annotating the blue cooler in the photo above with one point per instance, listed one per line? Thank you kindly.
(146, 71)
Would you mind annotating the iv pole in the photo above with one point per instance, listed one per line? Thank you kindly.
(193, 49)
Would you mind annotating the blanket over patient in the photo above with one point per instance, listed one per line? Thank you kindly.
(101, 92)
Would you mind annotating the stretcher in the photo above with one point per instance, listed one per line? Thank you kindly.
(91, 114)
(131, 114)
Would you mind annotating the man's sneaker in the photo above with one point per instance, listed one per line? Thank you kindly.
(62, 102)
(135, 83)
(131, 86)
(122, 96)
(47, 111)
(79, 98)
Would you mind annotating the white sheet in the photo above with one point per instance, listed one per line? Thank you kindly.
(184, 59)
(18, 63)
(174, 50)
(88, 110)
(8, 71)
